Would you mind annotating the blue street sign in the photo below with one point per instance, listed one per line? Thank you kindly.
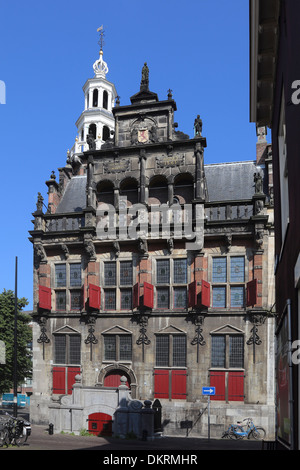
(208, 390)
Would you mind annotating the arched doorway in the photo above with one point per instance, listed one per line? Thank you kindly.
(100, 424)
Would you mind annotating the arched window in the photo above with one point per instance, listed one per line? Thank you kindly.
(184, 188)
(129, 188)
(158, 190)
(95, 98)
(106, 133)
(105, 99)
(105, 192)
(93, 130)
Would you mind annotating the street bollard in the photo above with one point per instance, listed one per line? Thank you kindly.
(51, 426)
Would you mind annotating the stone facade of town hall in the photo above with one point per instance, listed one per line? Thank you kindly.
(154, 267)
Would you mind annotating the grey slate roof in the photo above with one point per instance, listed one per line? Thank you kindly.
(74, 197)
(225, 182)
(231, 181)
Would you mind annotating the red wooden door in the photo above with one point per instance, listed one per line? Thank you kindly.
(100, 424)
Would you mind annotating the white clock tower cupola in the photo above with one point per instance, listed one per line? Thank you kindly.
(99, 97)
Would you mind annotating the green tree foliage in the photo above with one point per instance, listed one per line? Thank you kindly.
(24, 338)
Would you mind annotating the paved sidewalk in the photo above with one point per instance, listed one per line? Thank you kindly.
(41, 440)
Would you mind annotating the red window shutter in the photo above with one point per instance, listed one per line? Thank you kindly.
(193, 294)
(205, 294)
(72, 372)
(94, 296)
(148, 295)
(136, 296)
(59, 380)
(252, 293)
(235, 386)
(179, 384)
(45, 297)
(217, 380)
(161, 383)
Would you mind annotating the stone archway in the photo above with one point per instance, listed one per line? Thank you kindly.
(115, 372)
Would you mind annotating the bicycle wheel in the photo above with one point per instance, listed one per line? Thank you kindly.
(258, 433)
(4, 438)
(21, 436)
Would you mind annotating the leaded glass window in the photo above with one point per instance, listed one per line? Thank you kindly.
(75, 299)
(67, 349)
(170, 273)
(75, 275)
(237, 269)
(110, 347)
(125, 273)
(179, 350)
(236, 351)
(67, 281)
(218, 351)
(163, 271)
(117, 347)
(126, 299)
(61, 300)
(110, 299)
(180, 297)
(110, 274)
(237, 297)
(230, 271)
(162, 297)
(162, 350)
(180, 271)
(219, 273)
(219, 297)
(171, 350)
(60, 349)
(125, 347)
(60, 275)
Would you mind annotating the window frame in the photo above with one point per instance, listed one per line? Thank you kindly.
(170, 350)
(229, 285)
(117, 343)
(227, 357)
(67, 349)
(68, 288)
(119, 286)
(170, 284)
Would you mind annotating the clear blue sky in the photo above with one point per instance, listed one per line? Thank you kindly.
(198, 48)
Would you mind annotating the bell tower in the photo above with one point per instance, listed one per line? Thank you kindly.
(97, 119)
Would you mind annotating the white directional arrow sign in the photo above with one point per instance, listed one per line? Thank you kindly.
(208, 390)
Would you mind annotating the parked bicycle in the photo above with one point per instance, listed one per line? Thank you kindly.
(13, 430)
(249, 430)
